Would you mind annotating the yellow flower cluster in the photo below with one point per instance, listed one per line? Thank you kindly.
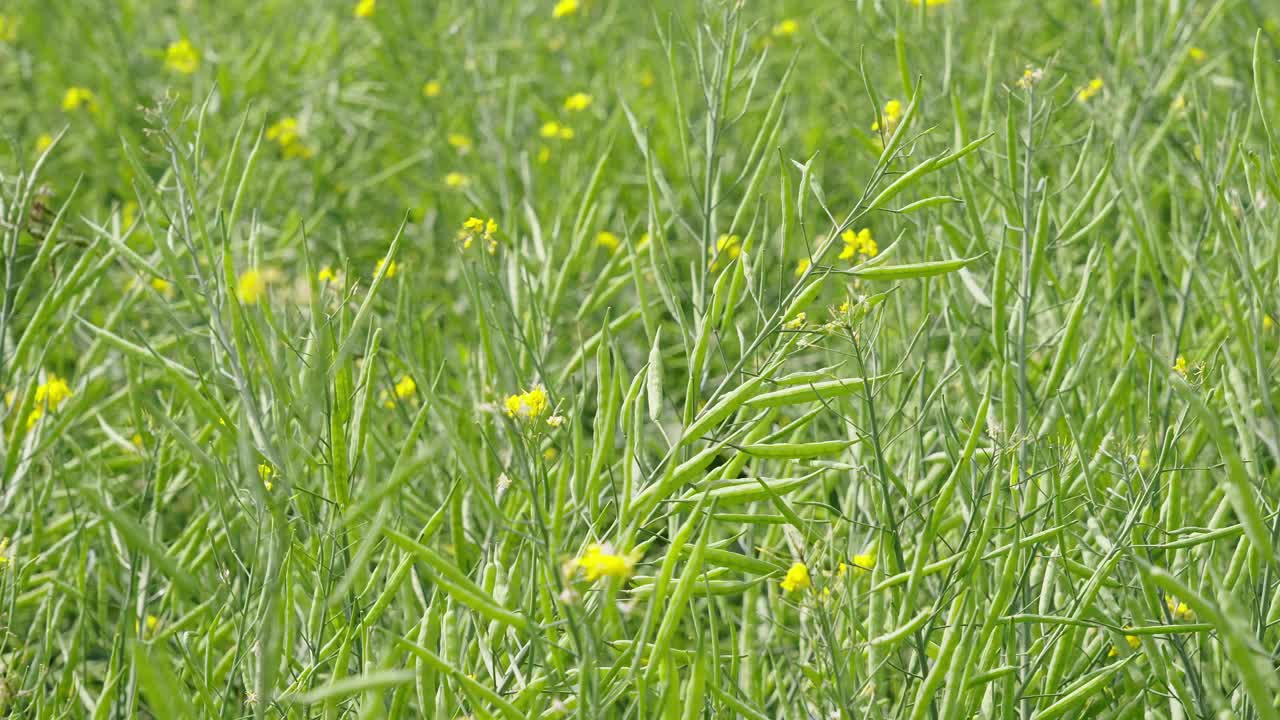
(265, 472)
(553, 129)
(456, 180)
(392, 267)
(564, 8)
(577, 102)
(862, 563)
(1133, 641)
(891, 115)
(529, 405)
(329, 276)
(152, 624)
(77, 98)
(476, 229)
(786, 28)
(250, 287)
(182, 57)
(50, 394)
(1030, 76)
(432, 88)
(1180, 611)
(797, 578)
(608, 240)
(404, 389)
(460, 142)
(1087, 92)
(860, 242)
(286, 133)
(728, 247)
(365, 8)
(603, 561)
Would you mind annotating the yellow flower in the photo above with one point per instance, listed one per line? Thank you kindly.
(4, 552)
(251, 287)
(1087, 92)
(892, 114)
(796, 323)
(1030, 76)
(1179, 610)
(1180, 366)
(564, 8)
(49, 395)
(1133, 640)
(365, 8)
(797, 578)
(392, 266)
(607, 240)
(475, 228)
(802, 267)
(285, 133)
(786, 28)
(137, 440)
(647, 78)
(328, 275)
(406, 387)
(460, 142)
(456, 180)
(52, 392)
(528, 405)
(182, 57)
(553, 129)
(1268, 322)
(602, 561)
(577, 102)
(44, 142)
(161, 285)
(929, 3)
(1197, 54)
(864, 562)
(859, 242)
(431, 88)
(8, 28)
(727, 246)
(79, 97)
(544, 154)
(265, 472)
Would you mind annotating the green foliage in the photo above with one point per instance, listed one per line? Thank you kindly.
(501, 359)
